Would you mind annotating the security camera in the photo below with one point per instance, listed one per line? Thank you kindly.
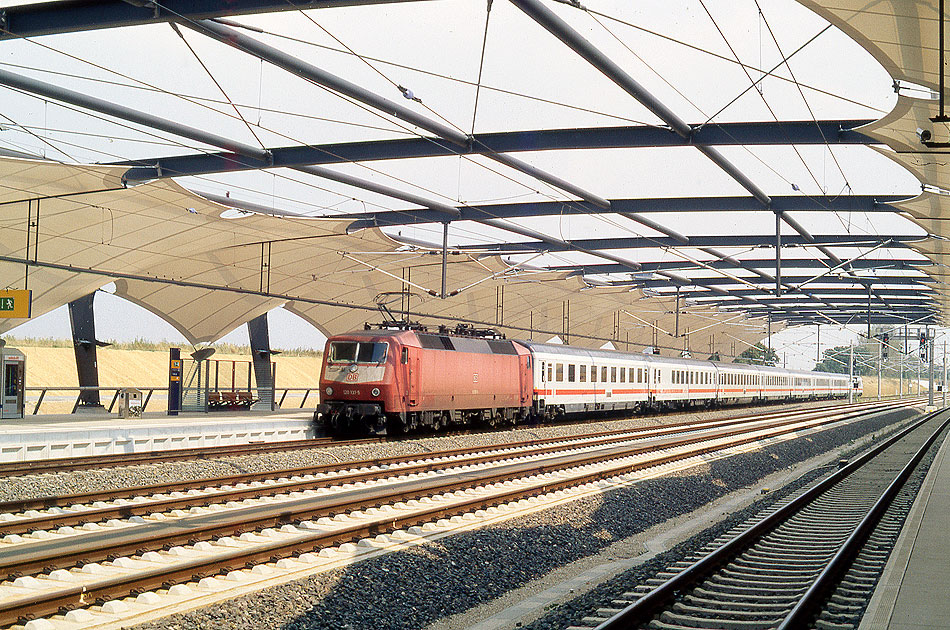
(924, 134)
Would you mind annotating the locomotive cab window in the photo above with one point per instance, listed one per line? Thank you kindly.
(358, 352)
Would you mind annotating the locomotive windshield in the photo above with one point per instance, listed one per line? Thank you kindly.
(358, 352)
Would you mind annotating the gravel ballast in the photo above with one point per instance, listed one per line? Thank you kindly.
(35, 486)
(421, 586)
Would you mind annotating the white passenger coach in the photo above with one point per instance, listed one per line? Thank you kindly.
(572, 380)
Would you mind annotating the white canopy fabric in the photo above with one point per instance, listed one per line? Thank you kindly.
(903, 37)
(174, 253)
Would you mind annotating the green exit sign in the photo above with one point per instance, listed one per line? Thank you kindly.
(15, 304)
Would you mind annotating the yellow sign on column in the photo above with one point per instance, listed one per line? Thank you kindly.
(16, 304)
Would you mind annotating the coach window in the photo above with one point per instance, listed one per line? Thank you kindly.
(603, 374)
(613, 375)
(657, 376)
(583, 371)
(623, 375)
(593, 374)
(571, 372)
(559, 372)
(550, 371)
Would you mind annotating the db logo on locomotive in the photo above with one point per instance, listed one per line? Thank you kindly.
(352, 377)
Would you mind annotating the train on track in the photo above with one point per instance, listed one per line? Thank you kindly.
(384, 381)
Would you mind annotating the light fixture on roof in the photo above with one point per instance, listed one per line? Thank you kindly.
(936, 190)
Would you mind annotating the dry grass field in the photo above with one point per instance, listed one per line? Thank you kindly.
(56, 367)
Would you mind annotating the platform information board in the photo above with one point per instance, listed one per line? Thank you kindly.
(16, 303)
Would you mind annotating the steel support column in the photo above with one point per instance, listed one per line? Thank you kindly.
(778, 253)
(930, 371)
(83, 324)
(445, 254)
(259, 338)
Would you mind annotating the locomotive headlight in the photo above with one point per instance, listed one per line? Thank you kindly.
(329, 391)
(375, 391)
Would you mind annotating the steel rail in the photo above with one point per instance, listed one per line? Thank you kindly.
(357, 471)
(117, 586)
(646, 607)
(810, 602)
(69, 464)
(116, 543)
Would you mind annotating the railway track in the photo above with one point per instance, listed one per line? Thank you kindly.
(811, 561)
(71, 464)
(154, 541)
(17, 517)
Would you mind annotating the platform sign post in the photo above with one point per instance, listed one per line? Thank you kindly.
(16, 304)
(880, 368)
(174, 381)
(851, 372)
(930, 371)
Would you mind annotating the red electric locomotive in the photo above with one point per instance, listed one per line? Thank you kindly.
(381, 381)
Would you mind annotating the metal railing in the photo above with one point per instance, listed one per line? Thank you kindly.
(284, 391)
(80, 390)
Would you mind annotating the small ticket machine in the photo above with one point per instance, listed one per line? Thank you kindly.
(12, 382)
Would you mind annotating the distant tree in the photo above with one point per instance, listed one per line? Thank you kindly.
(758, 355)
(836, 360)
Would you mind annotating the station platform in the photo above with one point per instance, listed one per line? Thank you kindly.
(913, 593)
(55, 436)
